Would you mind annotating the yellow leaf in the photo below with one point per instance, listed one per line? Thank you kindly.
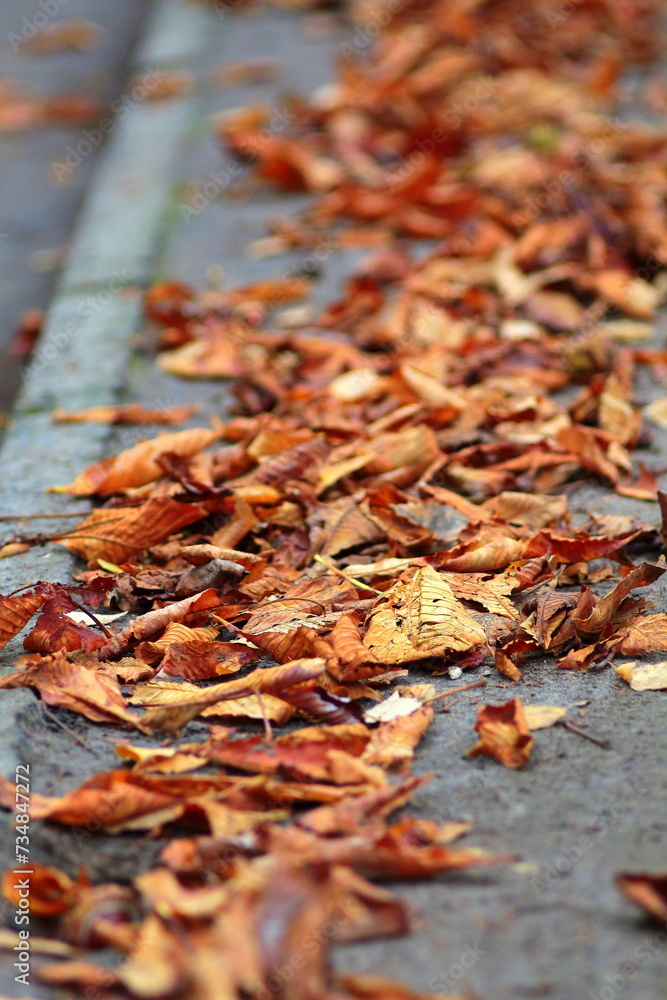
(419, 618)
(543, 716)
(657, 411)
(644, 676)
(109, 566)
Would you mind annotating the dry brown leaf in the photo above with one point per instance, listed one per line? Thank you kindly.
(130, 800)
(16, 612)
(52, 891)
(173, 704)
(350, 659)
(643, 634)
(125, 413)
(420, 618)
(166, 760)
(79, 688)
(647, 891)
(192, 610)
(503, 734)
(79, 35)
(121, 533)
(392, 745)
(408, 849)
(138, 465)
(640, 576)
(348, 815)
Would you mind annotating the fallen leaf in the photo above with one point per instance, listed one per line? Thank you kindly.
(543, 716)
(78, 35)
(420, 618)
(192, 610)
(52, 891)
(138, 465)
(644, 676)
(125, 413)
(647, 891)
(643, 634)
(503, 734)
(88, 692)
(393, 707)
(121, 533)
(16, 612)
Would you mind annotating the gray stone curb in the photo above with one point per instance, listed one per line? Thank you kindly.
(86, 345)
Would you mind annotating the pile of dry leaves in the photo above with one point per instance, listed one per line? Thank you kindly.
(391, 490)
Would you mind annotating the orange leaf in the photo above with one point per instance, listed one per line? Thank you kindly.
(121, 533)
(647, 891)
(503, 734)
(89, 692)
(138, 465)
(16, 612)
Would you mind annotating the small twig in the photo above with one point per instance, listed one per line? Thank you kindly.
(90, 614)
(605, 744)
(331, 566)
(70, 732)
(447, 708)
(432, 469)
(268, 731)
(41, 517)
(480, 683)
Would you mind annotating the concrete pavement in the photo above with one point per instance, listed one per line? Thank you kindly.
(554, 927)
(38, 209)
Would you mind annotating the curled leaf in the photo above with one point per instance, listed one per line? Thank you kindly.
(504, 734)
